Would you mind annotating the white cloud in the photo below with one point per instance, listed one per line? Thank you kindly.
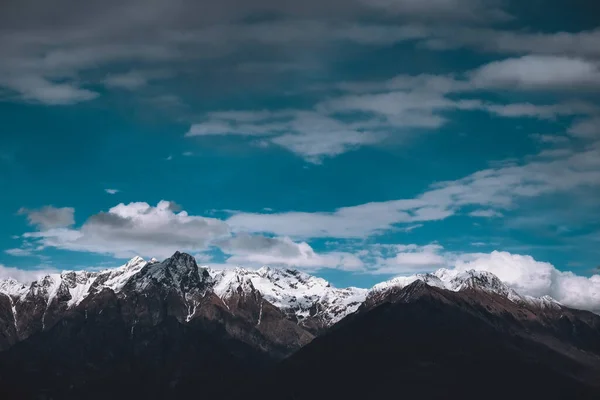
(127, 230)
(133, 229)
(586, 128)
(396, 108)
(485, 213)
(315, 136)
(49, 217)
(535, 278)
(309, 134)
(23, 275)
(39, 89)
(493, 189)
(540, 111)
(348, 222)
(258, 250)
(111, 191)
(18, 252)
(408, 259)
(538, 72)
(523, 273)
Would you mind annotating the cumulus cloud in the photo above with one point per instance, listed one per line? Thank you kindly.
(127, 230)
(535, 278)
(49, 217)
(523, 273)
(111, 191)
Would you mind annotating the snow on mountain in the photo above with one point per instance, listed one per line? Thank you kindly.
(117, 278)
(309, 300)
(12, 287)
(295, 293)
(456, 281)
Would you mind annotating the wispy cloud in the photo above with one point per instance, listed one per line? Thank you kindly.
(493, 189)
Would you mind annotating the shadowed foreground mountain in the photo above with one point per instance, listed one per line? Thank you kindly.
(153, 330)
(422, 342)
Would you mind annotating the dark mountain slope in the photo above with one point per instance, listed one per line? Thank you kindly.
(429, 343)
(164, 335)
(101, 357)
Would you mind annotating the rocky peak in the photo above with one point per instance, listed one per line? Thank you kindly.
(179, 272)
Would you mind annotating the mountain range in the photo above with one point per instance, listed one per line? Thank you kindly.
(172, 329)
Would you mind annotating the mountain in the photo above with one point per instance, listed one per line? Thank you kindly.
(172, 329)
(423, 341)
(310, 301)
(454, 280)
(74, 331)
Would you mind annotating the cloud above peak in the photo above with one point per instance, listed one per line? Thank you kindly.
(535, 278)
(133, 229)
(127, 230)
(526, 275)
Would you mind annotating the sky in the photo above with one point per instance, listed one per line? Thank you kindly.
(356, 140)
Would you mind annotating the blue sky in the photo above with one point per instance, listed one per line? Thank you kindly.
(356, 140)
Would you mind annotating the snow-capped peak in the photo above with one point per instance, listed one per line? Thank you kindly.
(478, 280)
(12, 287)
(133, 262)
(295, 293)
(457, 280)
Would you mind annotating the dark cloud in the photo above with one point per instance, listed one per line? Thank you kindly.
(49, 217)
(174, 207)
(109, 220)
(48, 50)
(244, 243)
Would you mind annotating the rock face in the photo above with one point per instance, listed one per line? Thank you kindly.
(171, 329)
